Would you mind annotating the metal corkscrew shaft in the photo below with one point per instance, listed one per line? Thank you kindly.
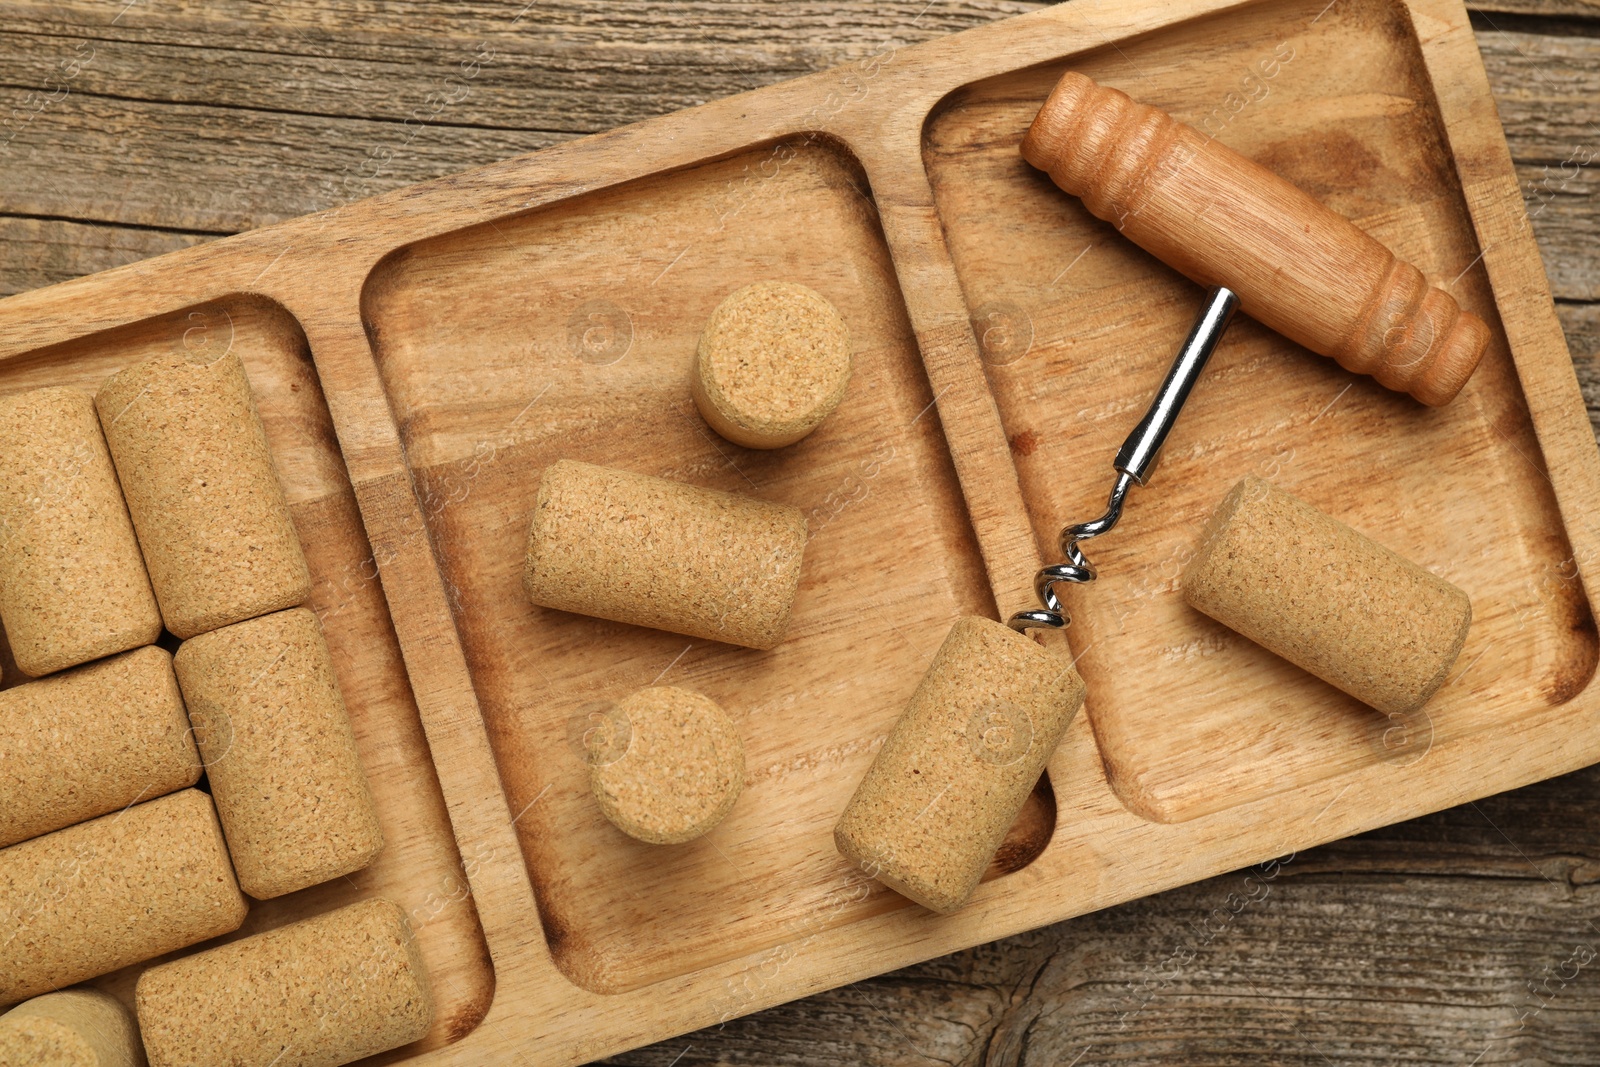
(1135, 460)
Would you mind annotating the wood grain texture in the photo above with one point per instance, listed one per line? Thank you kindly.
(1414, 944)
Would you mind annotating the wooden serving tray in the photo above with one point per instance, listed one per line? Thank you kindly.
(418, 357)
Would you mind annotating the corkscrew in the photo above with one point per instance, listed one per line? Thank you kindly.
(1135, 460)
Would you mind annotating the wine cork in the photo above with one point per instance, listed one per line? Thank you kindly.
(90, 741)
(322, 991)
(1339, 605)
(125, 887)
(773, 362)
(956, 769)
(279, 752)
(643, 550)
(73, 587)
(195, 467)
(73, 1028)
(666, 765)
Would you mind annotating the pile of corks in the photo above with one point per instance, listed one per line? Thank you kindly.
(154, 506)
(667, 763)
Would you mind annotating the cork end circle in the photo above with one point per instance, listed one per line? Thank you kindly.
(668, 766)
(773, 363)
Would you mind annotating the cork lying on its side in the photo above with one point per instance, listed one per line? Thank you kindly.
(643, 550)
(73, 587)
(195, 467)
(773, 362)
(316, 993)
(122, 888)
(73, 1028)
(959, 764)
(1339, 605)
(92, 740)
(279, 751)
(667, 766)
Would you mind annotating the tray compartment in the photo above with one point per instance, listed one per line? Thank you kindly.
(420, 867)
(1190, 717)
(570, 332)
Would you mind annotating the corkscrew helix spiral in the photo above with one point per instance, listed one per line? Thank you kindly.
(1135, 461)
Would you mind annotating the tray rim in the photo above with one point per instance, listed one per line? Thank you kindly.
(887, 141)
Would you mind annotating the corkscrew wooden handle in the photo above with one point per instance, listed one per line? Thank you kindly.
(1299, 268)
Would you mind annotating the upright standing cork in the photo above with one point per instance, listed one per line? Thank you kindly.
(91, 740)
(667, 766)
(1322, 596)
(212, 521)
(959, 764)
(319, 992)
(773, 362)
(73, 1028)
(122, 888)
(279, 751)
(72, 581)
(676, 557)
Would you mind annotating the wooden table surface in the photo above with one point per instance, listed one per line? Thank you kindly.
(1469, 937)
